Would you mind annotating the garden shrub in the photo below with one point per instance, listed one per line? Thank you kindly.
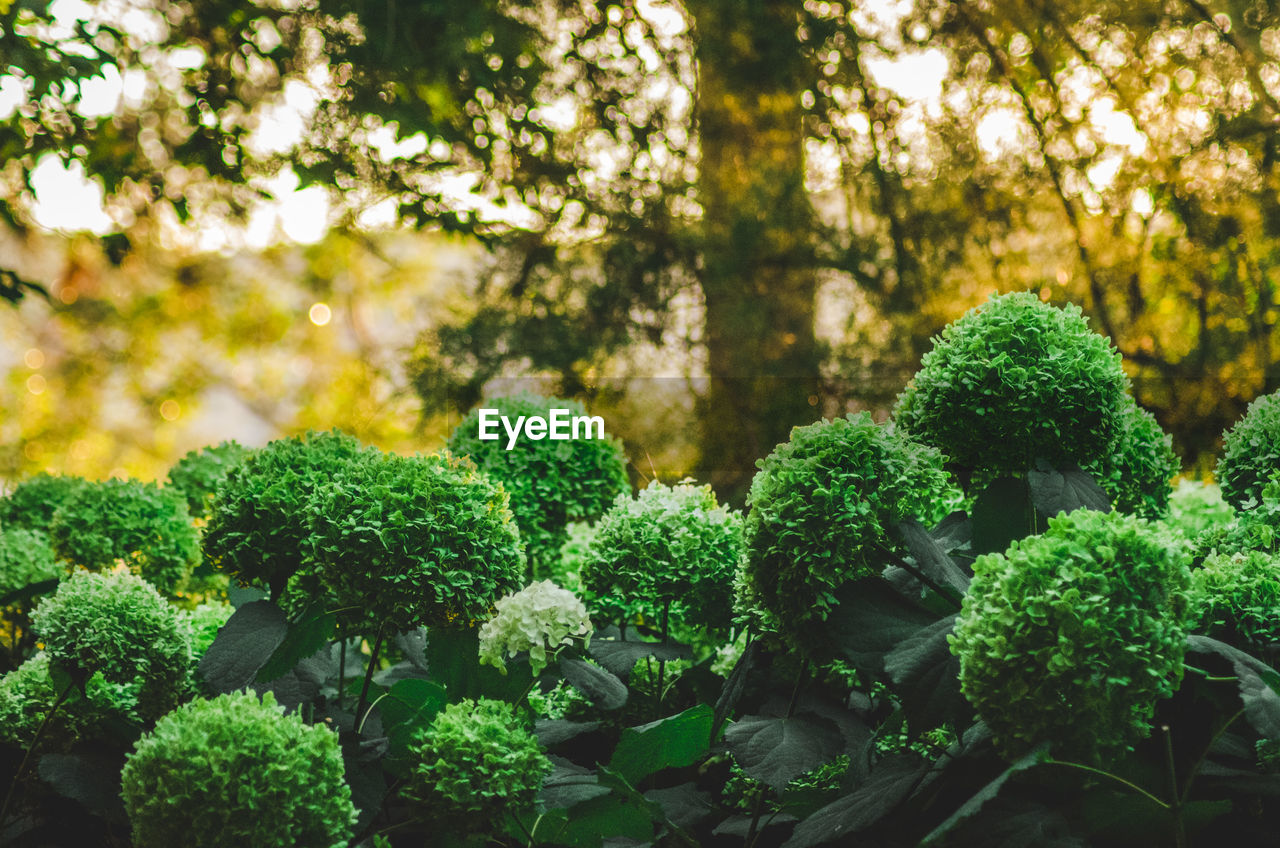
(475, 764)
(140, 524)
(551, 483)
(237, 771)
(259, 528)
(26, 557)
(198, 474)
(670, 548)
(35, 499)
(1237, 596)
(1071, 637)
(1012, 381)
(415, 541)
(1250, 452)
(1196, 506)
(118, 625)
(1255, 528)
(539, 618)
(1137, 470)
(820, 513)
(28, 693)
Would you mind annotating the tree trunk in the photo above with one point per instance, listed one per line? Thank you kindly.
(757, 272)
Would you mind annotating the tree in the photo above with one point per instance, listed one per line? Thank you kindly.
(751, 156)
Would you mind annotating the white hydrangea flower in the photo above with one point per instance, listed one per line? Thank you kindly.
(536, 619)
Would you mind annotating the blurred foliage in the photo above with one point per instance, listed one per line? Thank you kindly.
(778, 186)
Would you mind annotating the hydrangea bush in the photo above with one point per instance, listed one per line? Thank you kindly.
(118, 625)
(1236, 596)
(414, 541)
(473, 766)
(1015, 380)
(1250, 452)
(551, 482)
(1196, 506)
(26, 557)
(145, 527)
(539, 618)
(1137, 470)
(670, 548)
(35, 499)
(198, 474)
(1071, 637)
(820, 512)
(236, 770)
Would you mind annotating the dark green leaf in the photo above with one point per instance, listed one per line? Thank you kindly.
(569, 784)
(734, 686)
(684, 806)
(552, 732)
(1002, 513)
(777, 750)
(242, 595)
(409, 705)
(672, 742)
(20, 597)
(303, 639)
(243, 646)
(871, 619)
(601, 688)
(930, 558)
(985, 794)
(891, 782)
(93, 779)
(1054, 491)
(926, 677)
(619, 657)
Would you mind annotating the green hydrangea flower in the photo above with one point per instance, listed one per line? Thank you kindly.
(1196, 506)
(551, 483)
(819, 513)
(237, 771)
(26, 557)
(474, 765)
(1015, 380)
(1137, 469)
(669, 548)
(259, 528)
(410, 541)
(117, 624)
(1237, 596)
(140, 524)
(1071, 637)
(198, 474)
(536, 619)
(33, 501)
(1250, 452)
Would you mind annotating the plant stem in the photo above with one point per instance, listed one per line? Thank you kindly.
(662, 663)
(1117, 778)
(368, 675)
(1195, 769)
(752, 834)
(949, 594)
(342, 670)
(35, 743)
(795, 692)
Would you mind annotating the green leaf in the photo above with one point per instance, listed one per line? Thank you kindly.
(303, 639)
(926, 677)
(777, 750)
(734, 686)
(891, 782)
(986, 793)
(1054, 491)
(1003, 513)
(601, 688)
(569, 784)
(620, 656)
(930, 558)
(871, 619)
(673, 742)
(243, 646)
(93, 779)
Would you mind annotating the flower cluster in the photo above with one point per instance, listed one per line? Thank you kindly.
(536, 619)
(198, 474)
(1250, 452)
(1136, 470)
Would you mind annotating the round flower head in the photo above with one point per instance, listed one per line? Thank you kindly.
(1012, 381)
(1137, 469)
(669, 548)
(1071, 637)
(1195, 507)
(140, 524)
(551, 481)
(25, 558)
(536, 619)
(34, 501)
(118, 625)
(28, 693)
(198, 474)
(1237, 597)
(237, 771)
(409, 541)
(819, 515)
(260, 527)
(1250, 452)
(475, 764)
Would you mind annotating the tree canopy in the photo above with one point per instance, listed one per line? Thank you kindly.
(821, 185)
